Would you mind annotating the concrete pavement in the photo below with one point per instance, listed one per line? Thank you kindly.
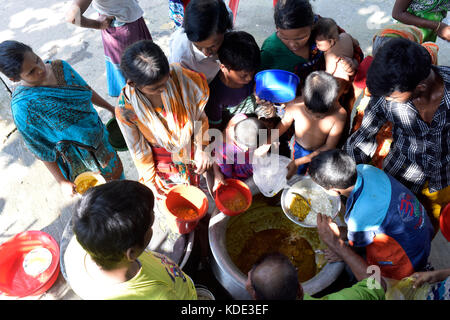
(29, 197)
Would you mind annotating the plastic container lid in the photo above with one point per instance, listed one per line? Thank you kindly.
(25, 269)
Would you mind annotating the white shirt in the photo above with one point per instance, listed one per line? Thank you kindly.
(123, 10)
(184, 52)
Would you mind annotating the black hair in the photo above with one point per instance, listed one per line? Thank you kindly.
(204, 18)
(399, 65)
(320, 91)
(274, 277)
(246, 132)
(239, 51)
(111, 218)
(333, 169)
(327, 28)
(293, 14)
(144, 63)
(11, 58)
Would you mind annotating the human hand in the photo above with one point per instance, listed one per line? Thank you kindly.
(429, 277)
(261, 151)
(219, 180)
(444, 31)
(202, 161)
(422, 277)
(347, 64)
(329, 232)
(68, 188)
(331, 256)
(292, 169)
(105, 21)
(265, 110)
(262, 102)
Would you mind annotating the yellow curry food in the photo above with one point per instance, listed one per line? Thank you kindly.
(86, 184)
(299, 207)
(185, 212)
(237, 203)
(295, 247)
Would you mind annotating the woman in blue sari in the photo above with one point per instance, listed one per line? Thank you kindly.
(53, 109)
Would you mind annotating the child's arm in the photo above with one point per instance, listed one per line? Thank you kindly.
(287, 120)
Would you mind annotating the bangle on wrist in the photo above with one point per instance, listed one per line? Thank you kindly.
(437, 29)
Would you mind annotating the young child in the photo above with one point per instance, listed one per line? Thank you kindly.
(242, 137)
(335, 45)
(232, 88)
(319, 120)
(106, 259)
(382, 215)
(121, 23)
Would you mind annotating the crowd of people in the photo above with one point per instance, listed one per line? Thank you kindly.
(390, 162)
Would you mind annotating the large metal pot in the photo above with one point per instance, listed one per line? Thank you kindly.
(233, 280)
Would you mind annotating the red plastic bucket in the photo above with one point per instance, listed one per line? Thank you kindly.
(186, 205)
(229, 192)
(445, 222)
(14, 279)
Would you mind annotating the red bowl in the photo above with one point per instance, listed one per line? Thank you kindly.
(14, 281)
(189, 197)
(228, 192)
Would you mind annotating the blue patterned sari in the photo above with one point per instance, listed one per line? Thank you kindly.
(59, 124)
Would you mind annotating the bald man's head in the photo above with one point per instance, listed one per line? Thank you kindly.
(274, 277)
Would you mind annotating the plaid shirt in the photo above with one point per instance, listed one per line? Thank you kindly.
(420, 151)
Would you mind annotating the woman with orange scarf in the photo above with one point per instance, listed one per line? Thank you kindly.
(161, 116)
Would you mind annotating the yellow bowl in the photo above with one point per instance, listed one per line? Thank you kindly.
(87, 180)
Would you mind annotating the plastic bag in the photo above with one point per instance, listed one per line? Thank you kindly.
(403, 290)
(269, 173)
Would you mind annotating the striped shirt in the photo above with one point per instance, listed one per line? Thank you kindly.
(420, 151)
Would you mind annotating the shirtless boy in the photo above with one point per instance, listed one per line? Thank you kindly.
(319, 120)
(335, 46)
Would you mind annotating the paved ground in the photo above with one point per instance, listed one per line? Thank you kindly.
(29, 197)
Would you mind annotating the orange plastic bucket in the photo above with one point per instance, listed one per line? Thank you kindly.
(234, 197)
(186, 205)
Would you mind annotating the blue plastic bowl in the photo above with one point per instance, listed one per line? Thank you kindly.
(276, 86)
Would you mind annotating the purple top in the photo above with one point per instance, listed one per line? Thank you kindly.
(223, 98)
(234, 162)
